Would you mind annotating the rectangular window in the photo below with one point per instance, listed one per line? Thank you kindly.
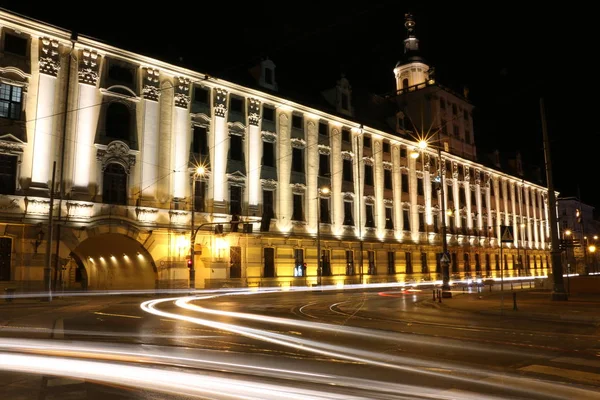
(235, 148)
(424, 266)
(297, 160)
(466, 115)
(201, 95)
(456, 130)
(348, 176)
(462, 200)
(442, 104)
(348, 214)
(408, 258)
(200, 196)
(268, 76)
(386, 147)
(454, 109)
(404, 183)
(298, 213)
(420, 189)
(389, 221)
(450, 192)
(268, 113)
(444, 127)
(297, 121)
(421, 222)
(15, 45)
(346, 135)
(299, 269)
(268, 203)
(436, 222)
(369, 175)
(387, 179)
(348, 218)
(483, 200)
(269, 265)
(367, 142)
(403, 152)
(323, 128)
(200, 140)
(406, 220)
(473, 198)
(391, 258)
(10, 101)
(371, 258)
(236, 104)
(268, 158)
(370, 223)
(324, 165)
(8, 174)
(235, 200)
(324, 208)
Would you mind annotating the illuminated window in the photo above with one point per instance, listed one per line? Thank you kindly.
(118, 121)
(8, 174)
(10, 101)
(391, 259)
(114, 184)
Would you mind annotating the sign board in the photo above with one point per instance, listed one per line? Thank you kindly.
(445, 258)
(506, 234)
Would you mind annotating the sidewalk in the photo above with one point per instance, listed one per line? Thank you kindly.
(530, 304)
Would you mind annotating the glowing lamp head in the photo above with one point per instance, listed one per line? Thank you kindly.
(200, 170)
(592, 249)
(414, 154)
(324, 190)
(568, 232)
(595, 237)
(422, 144)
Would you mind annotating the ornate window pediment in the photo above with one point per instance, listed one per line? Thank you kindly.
(298, 188)
(116, 152)
(298, 143)
(324, 149)
(387, 165)
(11, 144)
(347, 155)
(268, 184)
(368, 161)
(268, 136)
(236, 128)
(348, 196)
(236, 179)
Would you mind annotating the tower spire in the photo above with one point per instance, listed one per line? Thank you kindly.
(411, 43)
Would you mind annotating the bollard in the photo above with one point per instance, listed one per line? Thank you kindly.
(529, 284)
(434, 294)
(515, 301)
(440, 296)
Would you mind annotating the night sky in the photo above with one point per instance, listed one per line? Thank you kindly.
(507, 57)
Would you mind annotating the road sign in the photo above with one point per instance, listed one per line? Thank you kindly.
(445, 258)
(507, 233)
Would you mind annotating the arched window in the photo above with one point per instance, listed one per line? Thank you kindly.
(405, 83)
(118, 121)
(114, 184)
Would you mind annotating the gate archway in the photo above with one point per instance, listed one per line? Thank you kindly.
(113, 261)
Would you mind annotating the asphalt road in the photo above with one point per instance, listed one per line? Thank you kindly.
(379, 344)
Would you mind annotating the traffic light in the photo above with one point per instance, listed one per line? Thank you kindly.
(189, 263)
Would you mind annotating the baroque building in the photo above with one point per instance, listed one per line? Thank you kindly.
(106, 144)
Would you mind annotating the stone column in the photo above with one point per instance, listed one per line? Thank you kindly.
(284, 170)
(220, 146)
(379, 205)
(165, 125)
(514, 214)
(312, 172)
(397, 191)
(181, 136)
(427, 187)
(467, 189)
(528, 214)
(337, 198)
(412, 191)
(150, 137)
(254, 152)
(43, 151)
(478, 196)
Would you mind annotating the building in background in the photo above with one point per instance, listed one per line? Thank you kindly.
(126, 134)
(577, 223)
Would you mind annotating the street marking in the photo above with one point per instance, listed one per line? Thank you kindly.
(117, 315)
(58, 330)
(577, 361)
(580, 376)
(553, 390)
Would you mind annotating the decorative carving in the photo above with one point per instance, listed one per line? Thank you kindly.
(79, 210)
(467, 176)
(324, 149)
(236, 129)
(118, 152)
(370, 200)
(404, 169)
(253, 111)
(348, 196)
(35, 206)
(145, 214)
(454, 169)
(220, 102)
(406, 205)
(444, 170)
(420, 174)
(236, 179)
(6, 203)
(298, 188)
(151, 89)
(347, 155)
(477, 177)
(49, 57)
(268, 136)
(388, 202)
(298, 143)
(387, 165)
(368, 161)
(178, 217)
(10, 144)
(420, 207)
(426, 162)
(268, 184)
(182, 92)
(89, 66)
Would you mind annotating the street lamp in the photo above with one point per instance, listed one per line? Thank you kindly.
(198, 172)
(446, 293)
(323, 190)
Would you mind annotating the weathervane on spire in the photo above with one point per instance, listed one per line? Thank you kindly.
(409, 23)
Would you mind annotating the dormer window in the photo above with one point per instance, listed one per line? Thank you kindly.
(15, 44)
(345, 102)
(268, 76)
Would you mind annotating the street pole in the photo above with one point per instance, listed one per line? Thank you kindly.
(446, 293)
(193, 237)
(319, 270)
(583, 237)
(360, 238)
(48, 267)
(558, 292)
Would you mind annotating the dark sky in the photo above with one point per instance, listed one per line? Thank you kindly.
(506, 56)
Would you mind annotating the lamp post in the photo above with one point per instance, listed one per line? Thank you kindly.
(446, 293)
(360, 238)
(199, 171)
(323, 190)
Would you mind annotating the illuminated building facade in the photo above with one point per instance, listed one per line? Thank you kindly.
(126, 133)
